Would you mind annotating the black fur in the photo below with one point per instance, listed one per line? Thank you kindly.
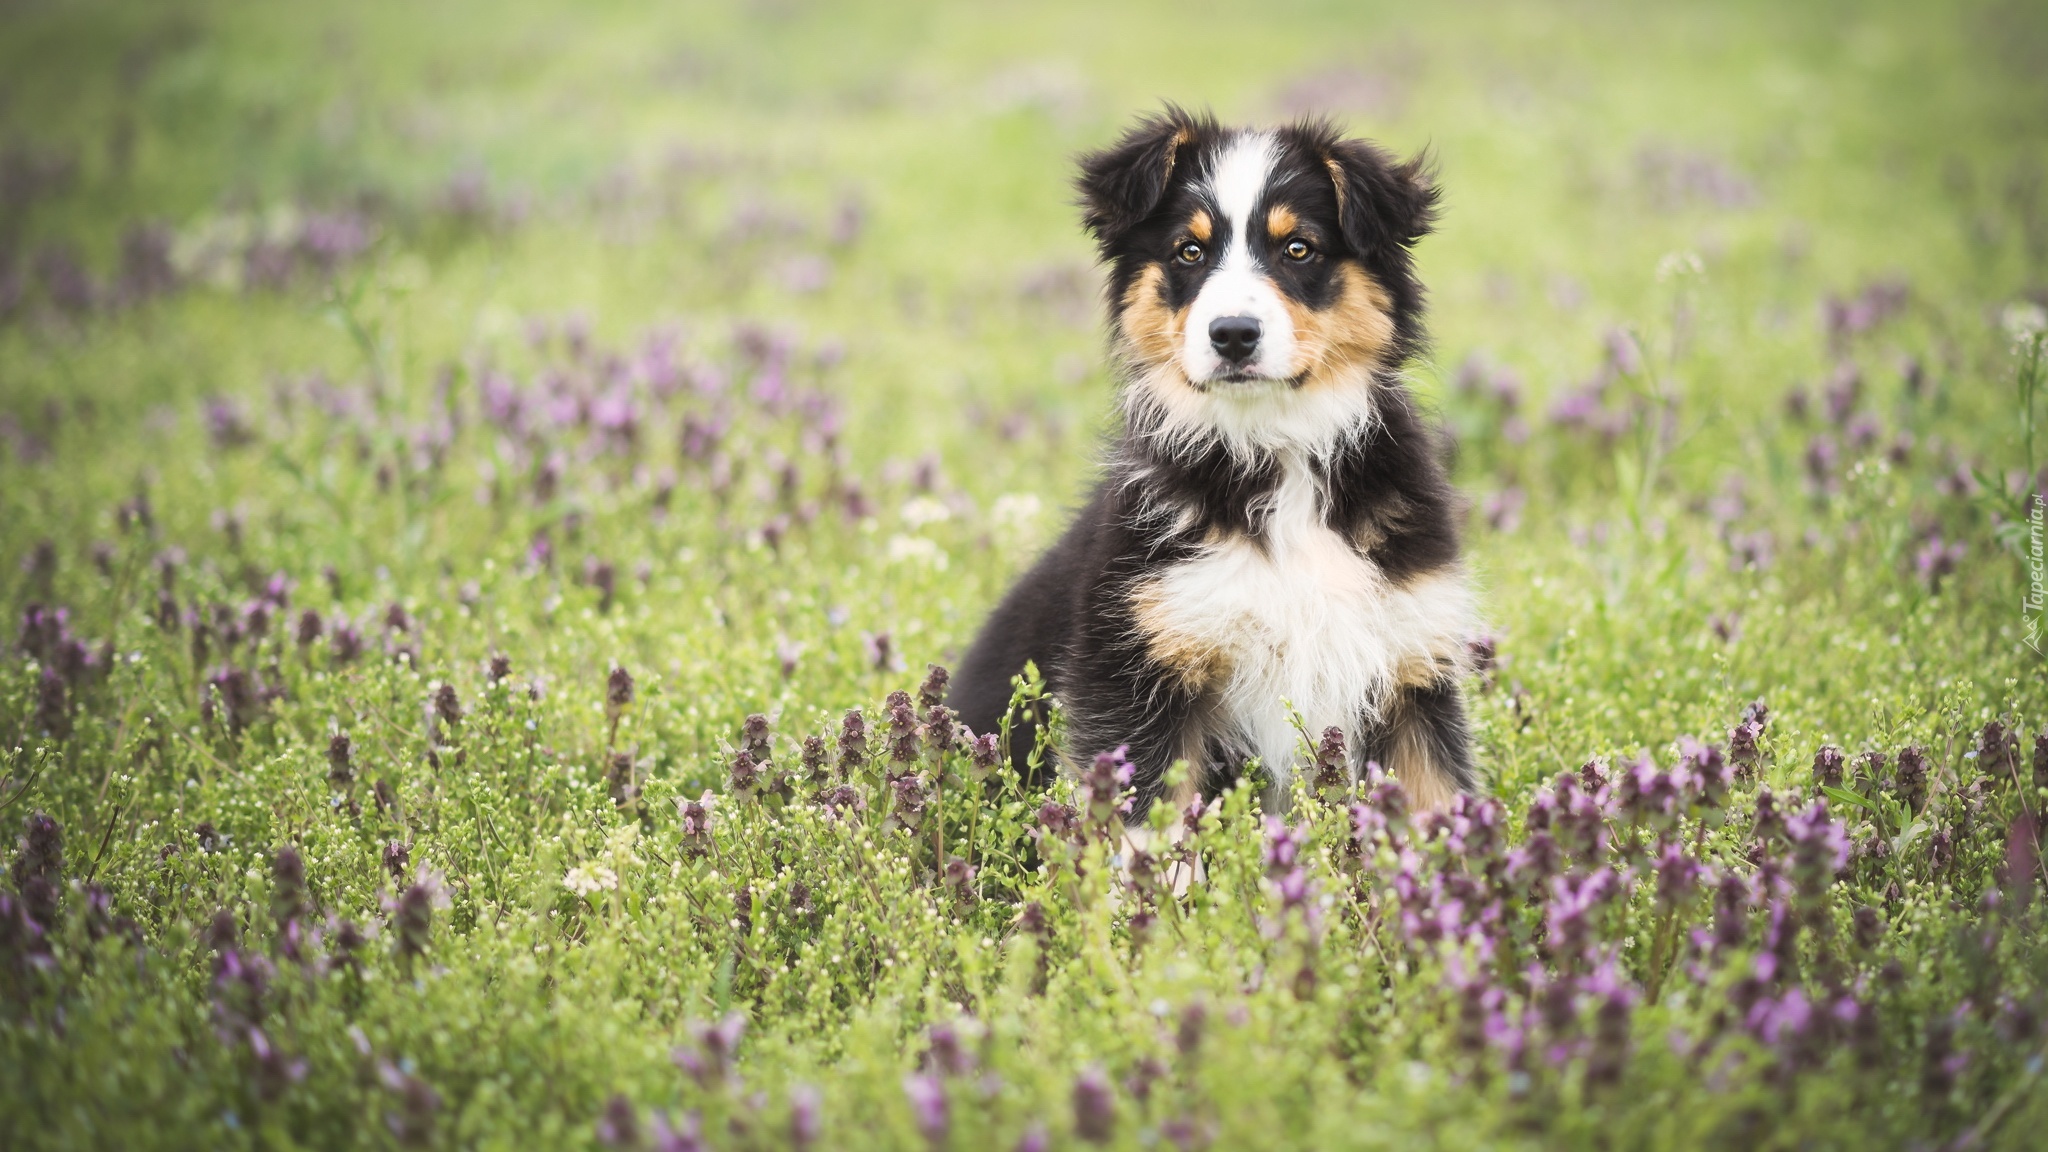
(1384, 487)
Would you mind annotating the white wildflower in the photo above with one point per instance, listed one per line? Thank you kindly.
(922, 510)
(1016, 510)
(2024, 320)
(588, 879)
(620, 844)
(917, 548)
(1681, 263)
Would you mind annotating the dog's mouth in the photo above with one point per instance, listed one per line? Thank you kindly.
(1237, 380)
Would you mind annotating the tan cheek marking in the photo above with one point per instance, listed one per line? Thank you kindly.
(1202, 227)
(1281, 222)
(1150, 329)
(1194, 660)
(1355, 331)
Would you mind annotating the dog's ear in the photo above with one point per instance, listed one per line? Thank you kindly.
(1123, 183)
(1384, 205)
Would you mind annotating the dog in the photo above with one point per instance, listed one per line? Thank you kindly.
(1273, 546)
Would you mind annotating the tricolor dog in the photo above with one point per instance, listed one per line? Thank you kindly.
(1273, 527)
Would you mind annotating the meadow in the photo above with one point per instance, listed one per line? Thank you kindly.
(483, 488)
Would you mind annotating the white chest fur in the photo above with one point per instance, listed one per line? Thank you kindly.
(1305, 620)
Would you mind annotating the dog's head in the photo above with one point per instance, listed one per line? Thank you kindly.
(1260, 280)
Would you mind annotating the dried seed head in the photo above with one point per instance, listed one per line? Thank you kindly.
(222, 932)
(815, 758)
(412, 921)
(39, 867)
(903, 741)
(986, 754)
(1031, 921)
(288, 886)
(1910, 779)
(881, 652)
(1827, 766)
(620, 780)
(1998, 751)
(447, 706)
(853, 742)
(618, 691)
(940, 729)
(757, 738)
(932, 692)
(744, 777)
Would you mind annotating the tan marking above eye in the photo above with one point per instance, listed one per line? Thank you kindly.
(1281, 222)
(1201, 227)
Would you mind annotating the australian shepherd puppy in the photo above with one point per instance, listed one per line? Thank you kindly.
(1274, 528)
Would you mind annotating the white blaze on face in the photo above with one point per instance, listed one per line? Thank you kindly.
(1237, 284)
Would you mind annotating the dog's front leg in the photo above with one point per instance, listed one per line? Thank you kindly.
(1422, 739)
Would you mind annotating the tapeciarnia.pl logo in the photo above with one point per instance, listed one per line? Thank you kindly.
(2031, 608)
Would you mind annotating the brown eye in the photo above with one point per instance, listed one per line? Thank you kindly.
(1298, 249)
(1190, 253)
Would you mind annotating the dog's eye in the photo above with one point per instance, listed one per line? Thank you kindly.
(1190, 253)
(1298, 249)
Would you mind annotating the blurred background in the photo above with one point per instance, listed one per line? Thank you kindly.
(898, 173)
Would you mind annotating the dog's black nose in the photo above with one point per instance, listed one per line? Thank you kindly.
(1235, 338)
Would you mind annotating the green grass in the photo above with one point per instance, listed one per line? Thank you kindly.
(881, 189)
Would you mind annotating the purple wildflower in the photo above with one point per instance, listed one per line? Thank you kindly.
(1909, 780)
(696, 827)
(903, 728)
(412, 1120)
(853, 742)
(1094, 1106)
(1827, 766)
(985, 754)
(710, 1059)
(1189, 1027)
(412, 917)
(2022, 867)
(1936, 560)
(1732, 899)
(1678, 875)
(288, 900)
(842, 800)
(1571, 909)
(945, 1054)
(1106, 785)
(941, 729)
(805, 1122)
(618, 1126)
(928, 1107)
(932, 692)
(1057, 821)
